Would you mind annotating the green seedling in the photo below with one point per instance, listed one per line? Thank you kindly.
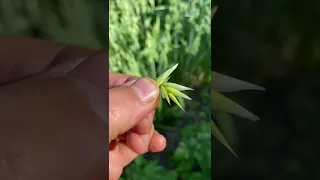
(169, 90)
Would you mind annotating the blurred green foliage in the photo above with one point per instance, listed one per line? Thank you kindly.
(147, 37)
(191, 159)
(74, 21)
(142, 169)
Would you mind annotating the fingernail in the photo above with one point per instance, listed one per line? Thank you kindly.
(145, 89)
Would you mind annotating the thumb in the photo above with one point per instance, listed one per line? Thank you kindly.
(131, 103)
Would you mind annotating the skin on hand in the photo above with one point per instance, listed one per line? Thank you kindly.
(142, 97)
(49, 129)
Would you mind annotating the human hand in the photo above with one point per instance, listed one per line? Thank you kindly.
(132, 106)
(49, 129)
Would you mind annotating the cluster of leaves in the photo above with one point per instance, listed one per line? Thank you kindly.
(279, 47)
(171, 90)
(220, 103)
(191, 159)
(143, 169)
(194, 152)
(222, 83)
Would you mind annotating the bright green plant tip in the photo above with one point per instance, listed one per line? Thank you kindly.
(217, 134)
(176, 86)
(165, 94)
(177, 93)
(170, 90)
(165, 76)
(175, 100)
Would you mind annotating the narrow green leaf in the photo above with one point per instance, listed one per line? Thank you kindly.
(213, 11)
(174, 99)
(165, 94)
(217, 134)
(223, 83)
(176, 86)
(167, 80)
(177, 93)
(163, 77)
(163, 91)
(221, 103)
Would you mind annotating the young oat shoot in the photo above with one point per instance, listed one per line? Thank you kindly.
(169, 90)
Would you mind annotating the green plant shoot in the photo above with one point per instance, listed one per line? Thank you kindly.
(223, 83)
(220, 103)
(169, 90)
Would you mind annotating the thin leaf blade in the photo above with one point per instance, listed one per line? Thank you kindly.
(177, 86)
(222, 103)
(174, 99)
(223, 83)
(217, 134)
(165, 94)
(163, 77)
(177, 93)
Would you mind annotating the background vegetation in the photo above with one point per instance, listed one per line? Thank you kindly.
(274, 44)
(146, 37)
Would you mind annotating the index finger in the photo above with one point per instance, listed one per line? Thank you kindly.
(116, 79)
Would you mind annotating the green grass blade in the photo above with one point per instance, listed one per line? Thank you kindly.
(165, 94)
(174, 99)
(223, 83)
(167, 80)
(217, 134)
(163, 77)
(176, 86)
(221, 103)
(177, 93)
